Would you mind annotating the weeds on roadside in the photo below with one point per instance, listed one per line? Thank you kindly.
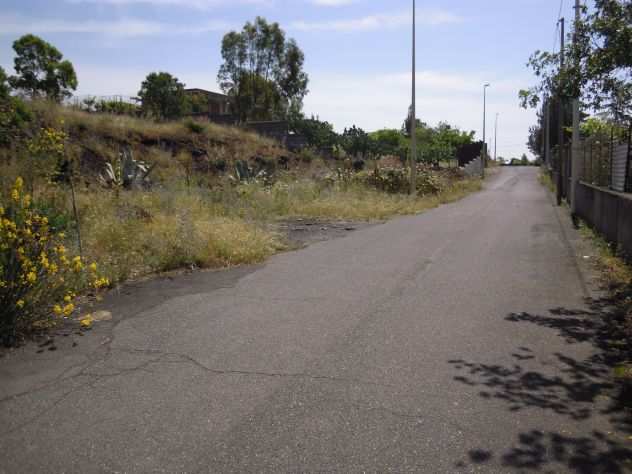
(616, 275)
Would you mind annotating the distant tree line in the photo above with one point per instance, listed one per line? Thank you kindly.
(435, 144)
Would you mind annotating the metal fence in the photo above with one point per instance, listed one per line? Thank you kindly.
(604, 162)
(79, 100)
(603, 196)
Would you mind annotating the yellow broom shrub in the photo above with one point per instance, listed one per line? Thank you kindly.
(38, 277)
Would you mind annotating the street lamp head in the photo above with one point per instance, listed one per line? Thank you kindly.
(487, 84)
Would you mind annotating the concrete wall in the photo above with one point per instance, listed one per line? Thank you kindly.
(608, 212)
(474, 167)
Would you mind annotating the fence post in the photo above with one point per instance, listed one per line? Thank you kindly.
(628, 171)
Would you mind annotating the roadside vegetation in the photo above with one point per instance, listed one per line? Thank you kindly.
(616, 277)
(98, 193)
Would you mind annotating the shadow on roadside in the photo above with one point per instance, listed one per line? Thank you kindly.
(578, 390)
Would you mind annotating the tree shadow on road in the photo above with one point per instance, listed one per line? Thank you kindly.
(576, 389)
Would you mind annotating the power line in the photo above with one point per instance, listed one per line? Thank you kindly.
(557, 25)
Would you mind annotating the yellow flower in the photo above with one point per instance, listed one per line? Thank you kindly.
(62, 235)
(27, 200)
(67, 298)
(53, 269)
(19, 182)
(31, 277)
(101, 282)
(87, 321)
(57, 310)
(20, 304)
(68, 309)
(93, 267)
(15, 195)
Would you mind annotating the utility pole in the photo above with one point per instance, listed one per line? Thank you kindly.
(547, 133)
(413, 123)
(575, 148)
(496, 137)
(484, 153)
(560, 146)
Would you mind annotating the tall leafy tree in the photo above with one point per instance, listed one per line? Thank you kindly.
(162, 96)
(599, 62)
(262, 71)
(41, 71)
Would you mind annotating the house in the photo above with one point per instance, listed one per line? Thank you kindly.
(212, 106)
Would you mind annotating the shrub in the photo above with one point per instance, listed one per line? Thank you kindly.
(193, 126)
(37, 275)
(397, 180)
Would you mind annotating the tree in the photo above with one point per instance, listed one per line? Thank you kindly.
(162, 96)
(4, 86)
(262, 71)
(389, 142)
(356, 141)
(41, 70)
(318, 134)
(599, 66)
(13, 114)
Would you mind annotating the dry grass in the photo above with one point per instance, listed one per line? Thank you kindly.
(546, 181)
(146, 232)
(99, 132)
(141, 232)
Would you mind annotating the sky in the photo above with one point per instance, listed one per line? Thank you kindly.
(357, 52)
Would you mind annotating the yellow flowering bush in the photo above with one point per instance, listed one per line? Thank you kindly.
(38, 277)
(49, 141)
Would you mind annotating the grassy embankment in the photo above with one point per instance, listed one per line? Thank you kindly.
(196, 212)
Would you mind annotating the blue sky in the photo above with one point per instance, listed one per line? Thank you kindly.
(357, 51)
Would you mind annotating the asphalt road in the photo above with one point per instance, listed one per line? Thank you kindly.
(458, 340)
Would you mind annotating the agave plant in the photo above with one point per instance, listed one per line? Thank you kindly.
(126, 172)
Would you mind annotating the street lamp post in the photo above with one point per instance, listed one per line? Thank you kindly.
(484, 154)
(413, 117)
(496, 137)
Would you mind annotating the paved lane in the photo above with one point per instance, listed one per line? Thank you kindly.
(453, 341)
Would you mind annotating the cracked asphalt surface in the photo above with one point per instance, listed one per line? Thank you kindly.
(459, 340)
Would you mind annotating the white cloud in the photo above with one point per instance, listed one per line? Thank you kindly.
(376, 22)
(126, 27)
(333, 3)
(195, 4)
